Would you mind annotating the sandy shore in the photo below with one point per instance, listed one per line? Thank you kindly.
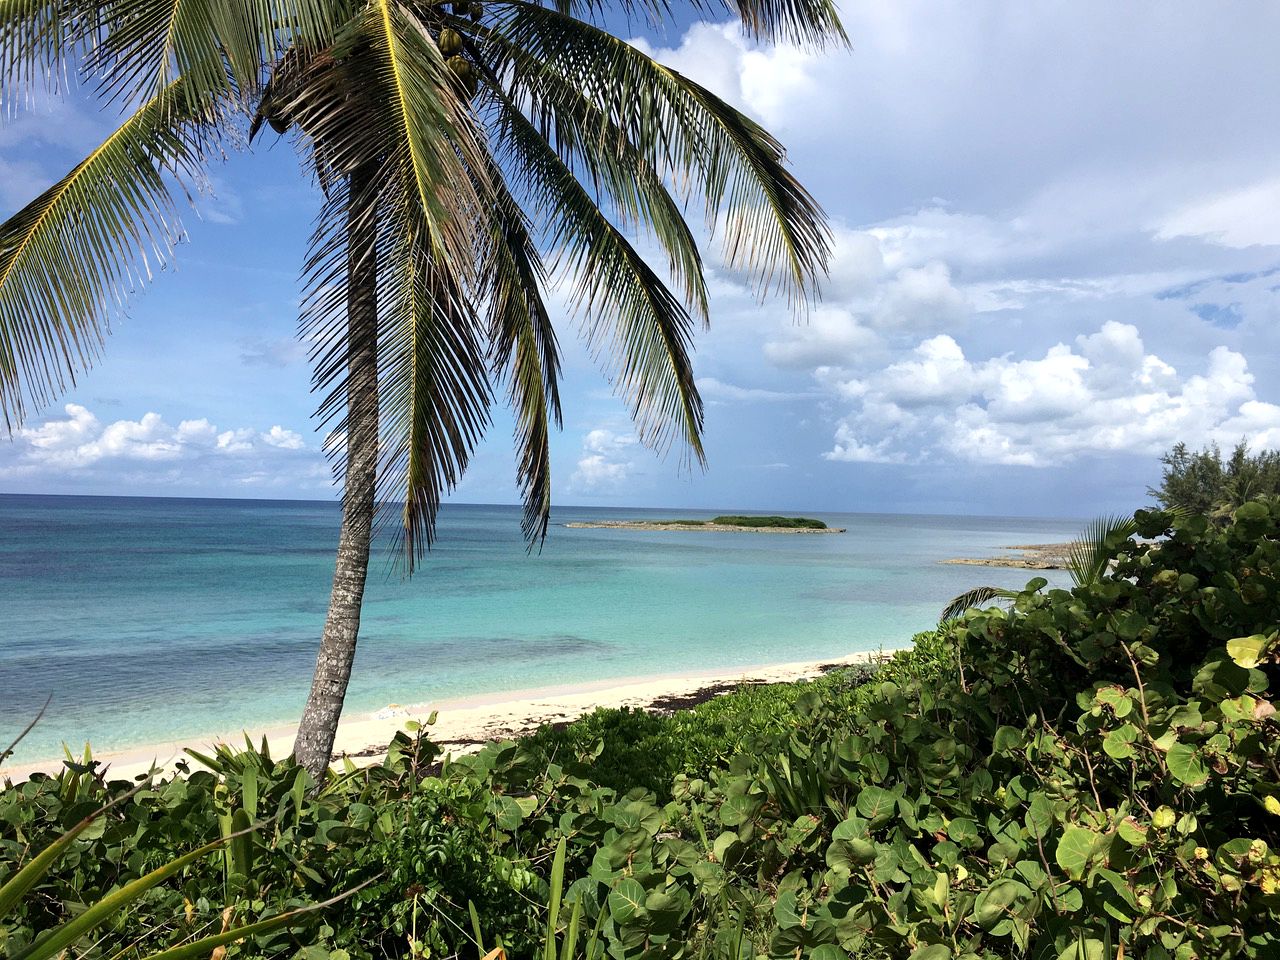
(463, 724)
(705, 526)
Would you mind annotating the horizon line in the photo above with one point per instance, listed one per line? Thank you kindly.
(336, 501)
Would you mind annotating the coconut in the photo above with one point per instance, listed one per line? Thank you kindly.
(460, 66)
(476, 10)
(450, 42)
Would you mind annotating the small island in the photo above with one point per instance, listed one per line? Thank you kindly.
(722, 524)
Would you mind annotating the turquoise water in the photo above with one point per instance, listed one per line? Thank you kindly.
(152, 619)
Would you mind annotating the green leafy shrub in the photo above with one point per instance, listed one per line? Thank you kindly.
(790, 523)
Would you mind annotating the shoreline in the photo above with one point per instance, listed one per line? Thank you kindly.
(705, 526)
(1031, 556)
(467, 722)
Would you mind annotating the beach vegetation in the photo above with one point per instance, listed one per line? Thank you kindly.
(785, 523)
(466, 154)
(26, 935)
(1093, 772)
(1088, 558)
(1204, 482)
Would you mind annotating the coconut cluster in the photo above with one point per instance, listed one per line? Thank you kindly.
(451, 45)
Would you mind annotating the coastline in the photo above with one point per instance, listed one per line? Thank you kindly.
(1030, 556)
(706, 527)
(463, 724)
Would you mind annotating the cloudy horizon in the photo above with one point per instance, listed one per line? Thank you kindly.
(1056, 254)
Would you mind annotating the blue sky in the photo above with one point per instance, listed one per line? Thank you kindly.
(1057, 253)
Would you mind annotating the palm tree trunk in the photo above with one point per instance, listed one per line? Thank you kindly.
(314, 745)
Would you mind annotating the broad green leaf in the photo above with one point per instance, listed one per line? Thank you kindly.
(1075, 849)
(1185, 765)
(1132, 832)
(845, 856)
(1039, 816)
(1248, 652)
(1083, 949)
(877, 804)
(1006, 740)
(1118, 744)
(626, 900)
(997, 902)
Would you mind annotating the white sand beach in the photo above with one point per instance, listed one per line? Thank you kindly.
(461, 725)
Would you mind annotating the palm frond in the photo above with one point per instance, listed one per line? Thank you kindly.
(41, 42)
(430, 402)
(524, 351)
(433, 389)
(591, 144)
(71, 258)
(438, 134)
(772, 227)
(622, 300)
(813, 23)
(145, 45)
(976, 597)
(136, 48)
(1092, 552)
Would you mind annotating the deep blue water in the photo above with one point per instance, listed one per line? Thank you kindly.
(150, 619)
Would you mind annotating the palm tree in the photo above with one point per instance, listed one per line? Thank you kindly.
(467, 154)
(1088, 559)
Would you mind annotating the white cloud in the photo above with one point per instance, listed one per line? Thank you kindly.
(80, 443)
(283, 439)
(714, 390)
(920, 298)
(1241, 217)
(278, 352)
(1103, 395)
(766, 80)
(606, 462)
(829, 337)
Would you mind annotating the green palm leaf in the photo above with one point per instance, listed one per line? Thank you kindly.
(136, 48)
(772, 227)
(623, 301)
(434, 386)
(437, 133)
(524, 351)
(589, 142)
(1091, 553)
(70, 259)
(977, 597)
(811, 22)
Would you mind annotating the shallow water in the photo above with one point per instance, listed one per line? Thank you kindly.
(151, 619)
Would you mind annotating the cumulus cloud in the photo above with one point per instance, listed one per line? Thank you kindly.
(79, 443)
(766, 80)
(607, 460)
(828, 338)
(1103, 394)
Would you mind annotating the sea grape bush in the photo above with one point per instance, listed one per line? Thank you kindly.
(1093, 773)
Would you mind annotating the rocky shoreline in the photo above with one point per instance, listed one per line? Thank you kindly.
(705, 526)
(1034, 556)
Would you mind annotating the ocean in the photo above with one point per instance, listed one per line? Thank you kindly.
(154, 619)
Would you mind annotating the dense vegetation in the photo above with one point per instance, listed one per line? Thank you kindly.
(1202, 482)
(788, 523)
(1092, 773)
